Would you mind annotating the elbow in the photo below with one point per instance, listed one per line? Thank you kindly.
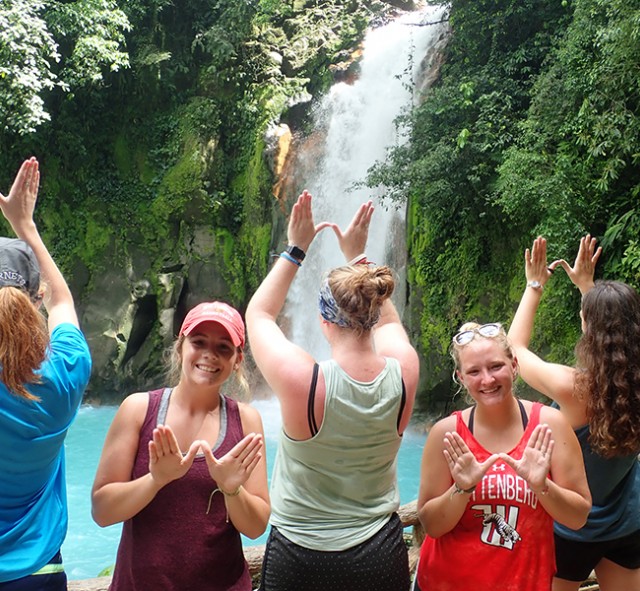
(577, 518)
(101, 519)
(430, 526)
(256, 529)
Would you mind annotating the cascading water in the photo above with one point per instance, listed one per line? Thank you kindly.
(359, 124)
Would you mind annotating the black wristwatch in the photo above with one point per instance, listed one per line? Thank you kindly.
(295, 252)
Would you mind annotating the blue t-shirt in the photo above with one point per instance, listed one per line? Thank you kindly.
(33, 496)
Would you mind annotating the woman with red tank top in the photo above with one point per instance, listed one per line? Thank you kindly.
(183, 513)
(494, 477)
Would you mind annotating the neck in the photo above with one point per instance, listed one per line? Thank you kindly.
(196, 398)
(499, 415)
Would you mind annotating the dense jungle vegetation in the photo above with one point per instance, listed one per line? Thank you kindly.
(140, 108)
(532, 129)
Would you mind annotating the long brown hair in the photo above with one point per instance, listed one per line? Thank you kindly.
(608, 376)
(24, 339)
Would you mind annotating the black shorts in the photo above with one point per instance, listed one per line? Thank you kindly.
(576, 560)
(50, 578)
(380, 563)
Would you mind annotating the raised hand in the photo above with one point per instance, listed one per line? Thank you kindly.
(19, 205)
(465, 469)
(581, 274)
(535, 262)
(234, 468)
(354, 239)
(302, 229)
(535, 464)
(166, 462)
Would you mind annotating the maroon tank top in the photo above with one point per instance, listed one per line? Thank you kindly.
(173, 544)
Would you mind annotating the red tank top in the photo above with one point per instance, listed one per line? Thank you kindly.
(173, 544)
(504, 539)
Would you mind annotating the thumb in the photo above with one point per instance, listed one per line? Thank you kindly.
(336, 229)
(561, 263)
(193, 450)
(507, 459)
(322, 225)
(490, 461)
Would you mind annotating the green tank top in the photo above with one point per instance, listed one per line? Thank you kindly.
(337, 489)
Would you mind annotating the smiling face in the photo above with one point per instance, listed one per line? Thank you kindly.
(486, 371)
(208, 355)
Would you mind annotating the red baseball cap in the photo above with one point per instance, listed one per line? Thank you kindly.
(219, 312)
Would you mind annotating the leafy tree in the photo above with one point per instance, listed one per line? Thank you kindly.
(46, 45)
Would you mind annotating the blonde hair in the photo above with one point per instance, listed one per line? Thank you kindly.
(24, 339)
(237, 385)
(500, 338)
(360, 291)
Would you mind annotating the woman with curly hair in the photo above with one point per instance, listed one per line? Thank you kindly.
(601, 400)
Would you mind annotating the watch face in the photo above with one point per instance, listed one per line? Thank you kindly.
(535, 284)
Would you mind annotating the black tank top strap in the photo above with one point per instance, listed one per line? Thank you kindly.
(472, 414)
(311, 415)
(403, 403)
(523, 414)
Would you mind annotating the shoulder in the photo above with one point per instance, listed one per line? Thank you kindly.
(551, 415)
(445, 425)
(134, 407)
(250, 417)
(68, 347)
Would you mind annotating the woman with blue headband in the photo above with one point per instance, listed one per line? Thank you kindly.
(334, 488)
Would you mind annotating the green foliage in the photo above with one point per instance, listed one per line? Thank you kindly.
(27, 51)
(46, 45)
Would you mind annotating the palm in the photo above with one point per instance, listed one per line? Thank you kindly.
(465, 469)
(234, 468)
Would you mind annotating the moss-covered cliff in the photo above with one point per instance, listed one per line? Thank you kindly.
(157, 185)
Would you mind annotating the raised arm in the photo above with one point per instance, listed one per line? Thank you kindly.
(18, 208)
(553, 380)
(285, 366)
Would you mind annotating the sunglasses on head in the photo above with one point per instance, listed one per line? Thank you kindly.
(486, 330)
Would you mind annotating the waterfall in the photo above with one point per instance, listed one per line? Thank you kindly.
(357, 124)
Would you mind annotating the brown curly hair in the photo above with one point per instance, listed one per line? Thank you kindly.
(360, 291)
(24, 339)
(608, 375)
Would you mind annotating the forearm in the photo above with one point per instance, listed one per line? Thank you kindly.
(565, 506)
(522, 324)
(268, 300)
(57, 288)
(249, 513)
(118, 501)
(441, 514)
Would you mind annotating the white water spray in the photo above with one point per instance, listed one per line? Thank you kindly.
(359, 123)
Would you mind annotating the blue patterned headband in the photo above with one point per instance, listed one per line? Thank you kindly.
(329, 308)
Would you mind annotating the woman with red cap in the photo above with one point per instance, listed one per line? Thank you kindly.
(183, 513)
(45, 366)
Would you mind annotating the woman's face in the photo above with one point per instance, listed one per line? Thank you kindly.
(486, 371)
(208, 355)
